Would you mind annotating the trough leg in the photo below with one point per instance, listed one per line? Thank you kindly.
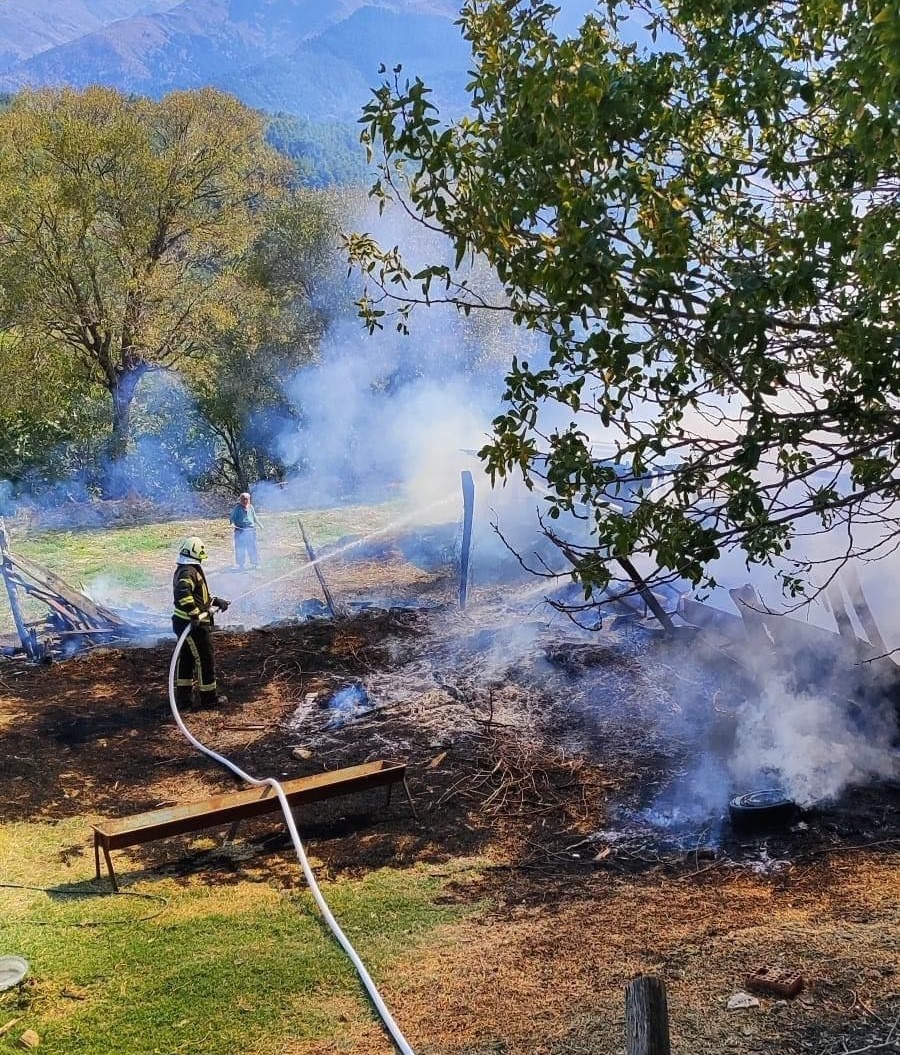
(112, 871)
(96, 856)
(231, 833)
(409, 799)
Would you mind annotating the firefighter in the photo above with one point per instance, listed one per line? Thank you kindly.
(194, 608)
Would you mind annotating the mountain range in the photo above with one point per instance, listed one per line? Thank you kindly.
(28, 27)
(314, 58)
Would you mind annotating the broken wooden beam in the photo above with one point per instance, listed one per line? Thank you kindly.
(646, 594)
(95, 614)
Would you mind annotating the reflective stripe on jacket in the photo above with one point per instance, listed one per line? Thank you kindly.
(192, 596)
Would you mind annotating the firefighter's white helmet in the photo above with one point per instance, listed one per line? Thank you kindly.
(193, 549)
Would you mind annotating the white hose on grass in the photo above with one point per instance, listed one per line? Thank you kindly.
(385, 1015)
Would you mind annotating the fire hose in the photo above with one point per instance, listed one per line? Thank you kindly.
(385, 1015)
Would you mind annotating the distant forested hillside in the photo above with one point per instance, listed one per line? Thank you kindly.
(325, 152)
(332, 76)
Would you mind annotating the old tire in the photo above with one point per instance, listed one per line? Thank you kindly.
(762, 809)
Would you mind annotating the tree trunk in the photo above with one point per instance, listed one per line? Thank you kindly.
(122, 390)
(233, 446)
(259, 457)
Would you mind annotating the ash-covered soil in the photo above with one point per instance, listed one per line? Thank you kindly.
(582, 770)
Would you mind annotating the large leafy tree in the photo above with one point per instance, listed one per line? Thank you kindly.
(50, 415)
(121, 221)
(705, 228)
(285, 288)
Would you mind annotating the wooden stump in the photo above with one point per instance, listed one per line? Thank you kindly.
(646, 1017)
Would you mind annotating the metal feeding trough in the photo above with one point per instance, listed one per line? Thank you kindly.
(762, 809)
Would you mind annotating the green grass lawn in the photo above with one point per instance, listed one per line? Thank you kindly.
(126, 553)
(236, 967)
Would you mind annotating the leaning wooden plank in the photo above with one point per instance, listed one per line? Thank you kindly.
(84, 631)
(62, 605)
(311, 554)
(96, 612)
(853, 585)
(839, 611)
(63, 611)
(45, 595)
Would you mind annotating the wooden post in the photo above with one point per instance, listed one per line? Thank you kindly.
(12, 594)
(646, 1017)
(15, 608)
(468, 490)
(311, 553)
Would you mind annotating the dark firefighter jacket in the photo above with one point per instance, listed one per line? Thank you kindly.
(192, 596)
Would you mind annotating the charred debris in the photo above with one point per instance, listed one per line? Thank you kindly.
(811, 655)
(73, 621)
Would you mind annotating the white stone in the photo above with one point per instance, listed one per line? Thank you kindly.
(740, 1001)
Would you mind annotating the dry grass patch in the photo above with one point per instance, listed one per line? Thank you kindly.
(548, 979)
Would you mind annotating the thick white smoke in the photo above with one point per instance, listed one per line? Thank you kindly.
(812, 745)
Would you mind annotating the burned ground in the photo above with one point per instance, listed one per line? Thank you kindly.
(540, 776)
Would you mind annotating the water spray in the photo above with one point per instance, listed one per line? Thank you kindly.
(348, 546)
(390, 1025)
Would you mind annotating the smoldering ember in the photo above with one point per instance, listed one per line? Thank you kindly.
(691, 790)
